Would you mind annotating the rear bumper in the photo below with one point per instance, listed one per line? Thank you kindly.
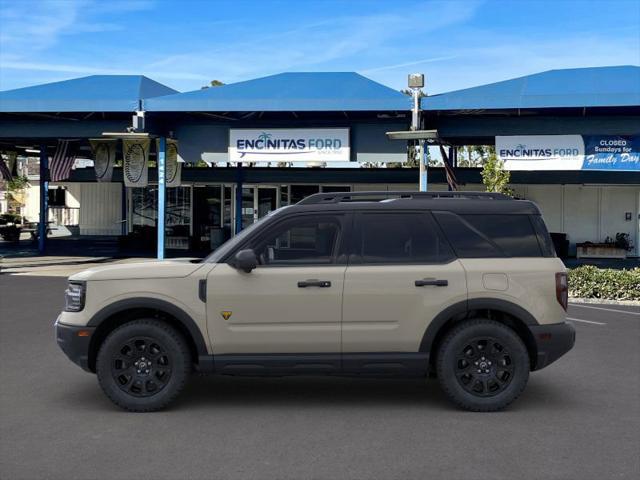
(552, 341)
(73, 344)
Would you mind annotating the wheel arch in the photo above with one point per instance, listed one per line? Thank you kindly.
(508, 313)
(123, 311)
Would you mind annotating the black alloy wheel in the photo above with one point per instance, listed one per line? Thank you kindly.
(143, 365)
(482, 365)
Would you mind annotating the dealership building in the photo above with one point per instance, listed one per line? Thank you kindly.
(229, 155)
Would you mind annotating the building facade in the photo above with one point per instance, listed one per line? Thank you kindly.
(216, 197)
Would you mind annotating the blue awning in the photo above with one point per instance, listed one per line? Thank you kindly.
(288, 92)
(577, 87)
(96, 93)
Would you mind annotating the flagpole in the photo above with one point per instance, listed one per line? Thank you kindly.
(416, 82)
(44, 199)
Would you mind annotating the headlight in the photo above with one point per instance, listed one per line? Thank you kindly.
(74, 297)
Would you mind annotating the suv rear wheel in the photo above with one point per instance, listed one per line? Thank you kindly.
(482, 365)
(143, 365)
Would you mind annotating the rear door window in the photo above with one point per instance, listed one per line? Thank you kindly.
(399, 238)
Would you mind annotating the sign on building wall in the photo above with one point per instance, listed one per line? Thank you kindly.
(610, 152)
(569, 152)
(289, 145)
(541, 152)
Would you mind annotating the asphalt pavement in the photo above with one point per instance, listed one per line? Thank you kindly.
(578, 419)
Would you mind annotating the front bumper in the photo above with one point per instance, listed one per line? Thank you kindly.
(552, 341)
(74, 342)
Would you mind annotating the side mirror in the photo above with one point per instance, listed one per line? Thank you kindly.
(245, 260)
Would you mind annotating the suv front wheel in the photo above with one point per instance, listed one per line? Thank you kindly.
(143, 365)
(482, 365)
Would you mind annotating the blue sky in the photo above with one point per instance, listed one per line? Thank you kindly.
(184, 44)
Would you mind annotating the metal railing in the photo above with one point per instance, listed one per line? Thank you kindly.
(64, 215)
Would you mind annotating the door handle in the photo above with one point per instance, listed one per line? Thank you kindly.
(425, 282)
(314, 283)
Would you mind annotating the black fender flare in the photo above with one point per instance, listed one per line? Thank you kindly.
(462, 309)
(155, 304)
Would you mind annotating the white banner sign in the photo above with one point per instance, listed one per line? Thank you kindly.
(136, 162)
(541, 152)
(289, 145)
(104, 157)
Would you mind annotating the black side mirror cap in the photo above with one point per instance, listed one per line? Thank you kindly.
(245, 260)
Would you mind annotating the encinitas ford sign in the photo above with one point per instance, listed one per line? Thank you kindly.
(569, 152)
(541, 152)
(289, 145)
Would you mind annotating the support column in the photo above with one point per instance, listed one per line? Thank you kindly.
(124, 231)
(44, 200)
(452, 162)
(423, 166)
(162, 183)
(238, 209)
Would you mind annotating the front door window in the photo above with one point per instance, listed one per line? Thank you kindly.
(301, 241)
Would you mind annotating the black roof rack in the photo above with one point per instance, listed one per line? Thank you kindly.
(386, 195)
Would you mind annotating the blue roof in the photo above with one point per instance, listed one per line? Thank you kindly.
(576, 87)
(299, 92)
(96, 93)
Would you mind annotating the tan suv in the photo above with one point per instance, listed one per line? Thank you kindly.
(464, 286)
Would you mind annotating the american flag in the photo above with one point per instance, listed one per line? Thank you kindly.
(452, 181)
(5, 173)
(62, 160)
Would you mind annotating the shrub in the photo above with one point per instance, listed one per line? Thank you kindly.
(588, 281)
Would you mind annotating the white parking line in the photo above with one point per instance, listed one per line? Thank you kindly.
(585, 321)
(605, 309)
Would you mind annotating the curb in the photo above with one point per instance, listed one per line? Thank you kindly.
(602, 301)
(54, 263)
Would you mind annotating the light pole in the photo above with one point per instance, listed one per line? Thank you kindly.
(416, 83)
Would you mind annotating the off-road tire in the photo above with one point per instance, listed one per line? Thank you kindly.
(456, 348)
(173, 359)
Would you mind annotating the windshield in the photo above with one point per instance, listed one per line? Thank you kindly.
(229, 245)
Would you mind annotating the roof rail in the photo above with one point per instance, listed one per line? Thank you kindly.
(375, 196)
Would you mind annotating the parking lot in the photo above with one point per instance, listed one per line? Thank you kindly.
(578, 419)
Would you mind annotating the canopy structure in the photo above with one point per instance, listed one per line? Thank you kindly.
(568, 88)
(588, 101)
(288, 92)
(95, 93)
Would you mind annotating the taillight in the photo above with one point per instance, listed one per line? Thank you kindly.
(562, 289)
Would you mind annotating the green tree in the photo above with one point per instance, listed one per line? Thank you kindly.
(15, 194)
(213, 83)
(495, 177)
(474, 155)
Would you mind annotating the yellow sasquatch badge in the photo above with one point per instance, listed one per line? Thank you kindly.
(226, 314)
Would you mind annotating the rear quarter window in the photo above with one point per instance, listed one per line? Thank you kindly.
(544, 239)
(490, 235)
